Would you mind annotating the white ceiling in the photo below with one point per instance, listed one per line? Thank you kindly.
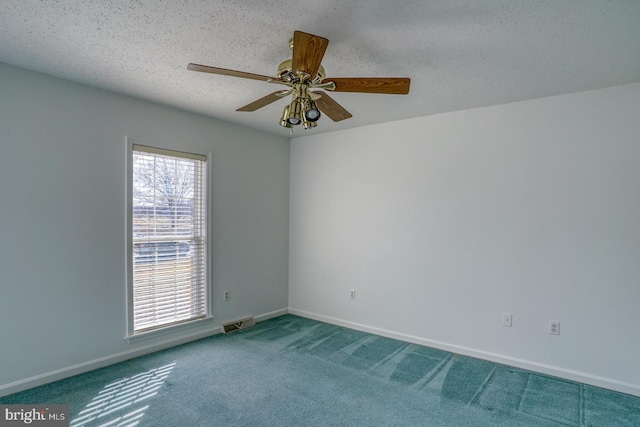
(459, 54)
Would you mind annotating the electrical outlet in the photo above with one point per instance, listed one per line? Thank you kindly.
(352, 294)
(554, 327)
(507, 319)
(225, 295)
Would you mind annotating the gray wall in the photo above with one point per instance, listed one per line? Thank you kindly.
(443, 223)
(439, 223)
(63, 220)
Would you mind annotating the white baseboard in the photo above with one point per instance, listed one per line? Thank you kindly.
(81, 368)
(271, 315)
(582, 377)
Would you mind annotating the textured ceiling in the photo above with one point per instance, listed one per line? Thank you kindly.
(459, 54)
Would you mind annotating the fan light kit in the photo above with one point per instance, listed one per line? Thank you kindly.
(304, 72)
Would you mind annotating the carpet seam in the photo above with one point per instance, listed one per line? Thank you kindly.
(435, 372)
(387, 358)
(526, 387)
(583, 413)
(482, 386)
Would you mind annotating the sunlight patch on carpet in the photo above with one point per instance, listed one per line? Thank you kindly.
(122, 403)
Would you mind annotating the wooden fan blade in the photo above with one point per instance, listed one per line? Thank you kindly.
(225, 72)
(265, 100)
(331, 108)
(388, 85)
(308, 51)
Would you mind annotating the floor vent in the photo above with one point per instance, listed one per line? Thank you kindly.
(238, 324)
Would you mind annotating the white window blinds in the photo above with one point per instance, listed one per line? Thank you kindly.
(168, 228)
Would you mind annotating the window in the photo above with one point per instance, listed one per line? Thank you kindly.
(167, 253)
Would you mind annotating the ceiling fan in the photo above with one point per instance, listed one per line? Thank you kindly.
(303, 74)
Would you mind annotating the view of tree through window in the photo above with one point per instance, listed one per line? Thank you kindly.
(168, 233)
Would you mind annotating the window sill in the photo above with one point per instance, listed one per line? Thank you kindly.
(173, 329)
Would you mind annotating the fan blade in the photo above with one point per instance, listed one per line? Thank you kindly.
(225, 72)
(331, 108)
(388, 85)
(265, 100)
(308, 51)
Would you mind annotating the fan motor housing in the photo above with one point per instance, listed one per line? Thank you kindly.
(285, 72)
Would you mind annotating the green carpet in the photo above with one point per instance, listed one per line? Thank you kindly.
(292, 371)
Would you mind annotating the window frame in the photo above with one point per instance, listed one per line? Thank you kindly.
(131, 334)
